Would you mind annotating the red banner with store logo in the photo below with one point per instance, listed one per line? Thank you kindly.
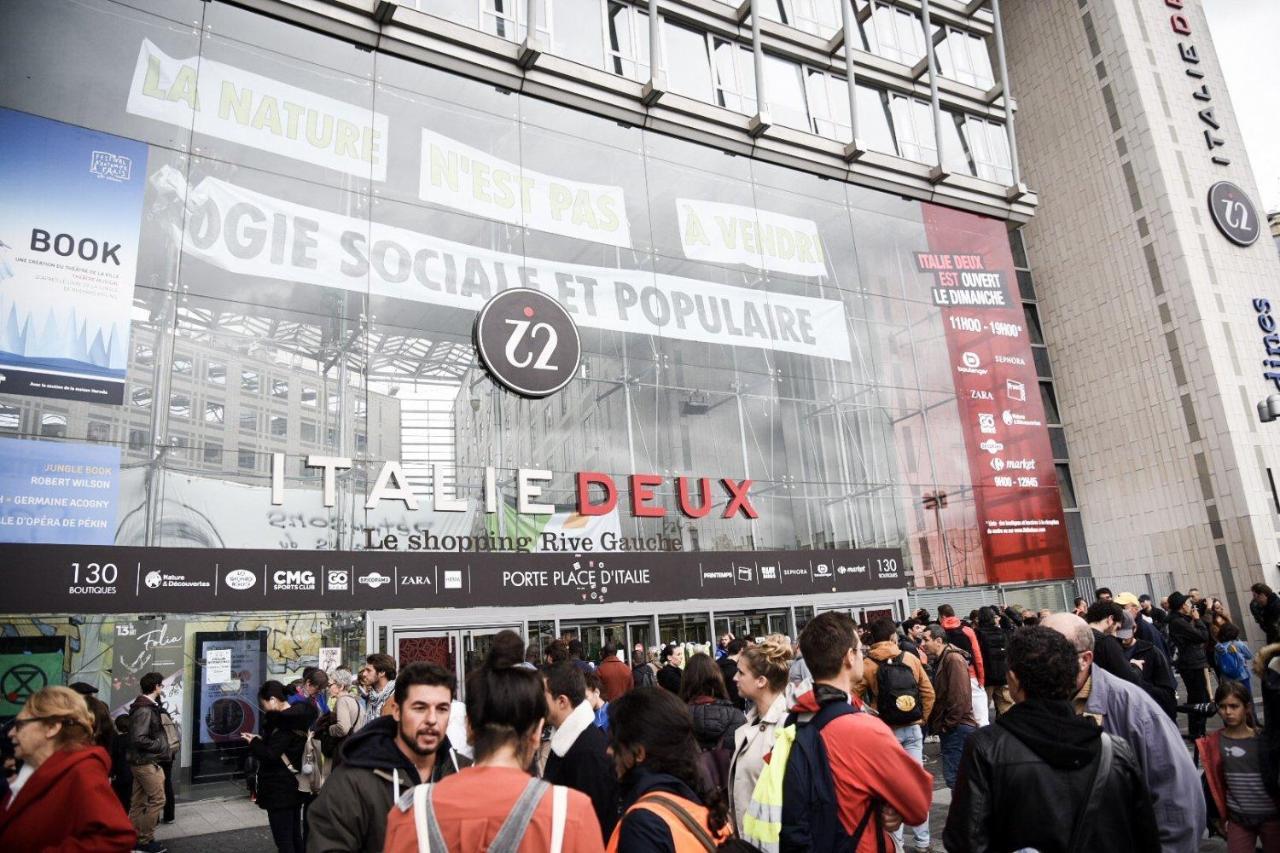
(1019, 508)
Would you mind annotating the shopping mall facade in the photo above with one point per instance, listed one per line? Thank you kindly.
(869, 341)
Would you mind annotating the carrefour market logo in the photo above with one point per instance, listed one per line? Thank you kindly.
(528, 342)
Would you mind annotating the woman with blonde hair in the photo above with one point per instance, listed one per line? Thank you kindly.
(762, 681)
(62, 797)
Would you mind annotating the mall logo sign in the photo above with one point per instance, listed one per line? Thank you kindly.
(373, 580)
(300, 580)
(240, 579)
(528, 342)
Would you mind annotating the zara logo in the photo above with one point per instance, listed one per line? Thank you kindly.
(528, 342)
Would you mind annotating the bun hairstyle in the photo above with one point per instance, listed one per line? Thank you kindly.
(770, 660)
(504, 706)
(63, 705)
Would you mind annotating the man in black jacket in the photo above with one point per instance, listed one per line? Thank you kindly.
(1104, 617)
(729, 668)
(385, 758)
(1265, 608)
(579, 750)
(1189, 636)
(1157, 672)
(148, 747)
(1027, 780)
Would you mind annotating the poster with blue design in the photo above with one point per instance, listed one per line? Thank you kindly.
(58, 493)
(70, 212)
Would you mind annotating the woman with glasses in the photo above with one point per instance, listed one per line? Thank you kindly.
(279, 753)
(62, 797)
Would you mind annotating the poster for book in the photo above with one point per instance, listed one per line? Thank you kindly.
(69, 232)
(58, 492)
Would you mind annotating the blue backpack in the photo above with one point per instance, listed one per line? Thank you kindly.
(809, 795)
(1231, 663)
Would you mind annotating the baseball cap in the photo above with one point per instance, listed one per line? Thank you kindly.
(1125, 631)
(1126, 598)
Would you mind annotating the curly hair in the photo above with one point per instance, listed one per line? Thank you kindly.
(659, 721)
(1044, 662)
(771, 660)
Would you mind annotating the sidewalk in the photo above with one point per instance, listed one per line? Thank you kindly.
(232, 824)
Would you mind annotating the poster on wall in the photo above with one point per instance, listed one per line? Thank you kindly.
(1019, 508)
(233, 672)
(28, 664)
(69, 230)
(55, 492)
(148, 645)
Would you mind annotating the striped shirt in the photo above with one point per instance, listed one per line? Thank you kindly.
(1247, 798)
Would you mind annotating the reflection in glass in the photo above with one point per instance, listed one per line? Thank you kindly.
(53, 426)
(688, 66)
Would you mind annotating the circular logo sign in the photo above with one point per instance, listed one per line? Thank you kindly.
(241, 579)
(1234, 213)
(528, 342)
(20, 681)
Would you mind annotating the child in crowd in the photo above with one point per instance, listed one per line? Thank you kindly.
(1232, 656)
(1231, 758)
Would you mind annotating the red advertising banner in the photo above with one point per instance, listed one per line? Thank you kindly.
(1019, 508)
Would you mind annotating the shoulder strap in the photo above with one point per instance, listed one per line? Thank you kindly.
(424, 821)
(1101, 770)
(511, 833)
(559, 814)
(873, 811)
(699, 832)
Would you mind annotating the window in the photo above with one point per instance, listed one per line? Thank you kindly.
(577, 33)
(248, 420)
(734, 77)
(506, 18)
(913, 128)
(955, 153)
(144, 355)
(280, 389)
(179, 440)
(785, 88)
(10, 418)
(828, 99)
(628, 42)
(182, 365)
(213, 453)
(215, 413)
(894, 34)
(250, 382)
(308, 432)
(688, 65)
(310, 396)
(141, 397)
(99, 431)
(279, 425)
(1034, 330)
(1065, 486)
(875, 127)
(963, 57)
(1050, 401)
(362, 442)
(819, 17)
(53, 426)
(215, 373)
(989, 150)
(180, 406)
(137, 439)
(248, 460)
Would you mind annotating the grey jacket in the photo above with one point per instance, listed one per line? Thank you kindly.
(1128, 712)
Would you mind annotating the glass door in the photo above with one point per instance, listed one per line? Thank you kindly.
(441, 647)
(478, 642)
(638, 633)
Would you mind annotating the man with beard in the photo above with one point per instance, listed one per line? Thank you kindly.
(1041, 775)
(388, 756)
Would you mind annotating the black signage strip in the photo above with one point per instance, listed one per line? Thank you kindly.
(117, 579)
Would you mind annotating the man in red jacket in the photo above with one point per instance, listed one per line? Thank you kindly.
(963, 638)
(614, 674)
(866, 763)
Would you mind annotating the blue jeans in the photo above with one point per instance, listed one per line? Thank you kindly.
(912, 741)
(952, 743)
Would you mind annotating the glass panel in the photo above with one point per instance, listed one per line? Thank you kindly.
(628, 42)
(1032, 315)
(1050, 403)
(1065, 485)
(874, 127)
(688, 66)
(577, 34)
(786, 92)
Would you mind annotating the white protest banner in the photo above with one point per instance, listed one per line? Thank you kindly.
(330, 658)
(248, 233)
(250, 109)
(734, 234)
(465, 178)
(217, 666)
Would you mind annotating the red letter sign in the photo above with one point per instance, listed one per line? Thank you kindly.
(585, 506)
(738, 493)
(686, 506)
(642, 493)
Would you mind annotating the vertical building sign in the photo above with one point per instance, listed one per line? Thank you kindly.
(69, 222)
(1016, 496)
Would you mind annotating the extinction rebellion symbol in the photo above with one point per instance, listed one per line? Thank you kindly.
(528, 342)
(1234, 213)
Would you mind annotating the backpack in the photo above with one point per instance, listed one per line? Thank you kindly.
(808, 780)
(172, 733)
(897, 693)
(1231, 663)
(431, 840)
(315, 766)
(958, 638)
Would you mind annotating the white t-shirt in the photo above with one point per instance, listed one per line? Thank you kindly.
(24, 773)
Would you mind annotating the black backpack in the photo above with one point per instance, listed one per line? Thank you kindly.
(897, 693)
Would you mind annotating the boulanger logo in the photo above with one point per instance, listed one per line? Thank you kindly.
(373, 580)
(528, 342)
(294, 579)
(240, 579)
(338, 580)
(971, 363)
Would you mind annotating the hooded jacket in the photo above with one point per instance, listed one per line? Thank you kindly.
(1024, 781)
(715, 721)
(867, 765)
(952, 625)
(351, 811)
(887, 650)
(68, 804)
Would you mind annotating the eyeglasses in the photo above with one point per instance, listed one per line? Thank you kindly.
(19, 722)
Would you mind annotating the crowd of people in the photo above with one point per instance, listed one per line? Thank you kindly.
(1056, 731)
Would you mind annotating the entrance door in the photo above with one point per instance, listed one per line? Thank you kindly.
(638, 633)
(459, 650)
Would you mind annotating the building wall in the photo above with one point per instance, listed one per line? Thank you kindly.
(1147, 308)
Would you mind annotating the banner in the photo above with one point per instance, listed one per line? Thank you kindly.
(23, 673)
(564, 521)
(148, 645)
(762, 239)
(468, 179)
(72, 207)
(58, 492)
(1015, 484)
(249, 109)
(248, 233)
(38, 578)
